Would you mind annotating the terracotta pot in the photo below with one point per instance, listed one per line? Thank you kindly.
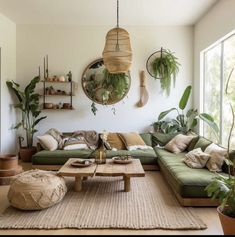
(228, 223)
(26, 153)
(8, 161)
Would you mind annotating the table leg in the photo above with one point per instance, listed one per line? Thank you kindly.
(127, 184)
(78, 184)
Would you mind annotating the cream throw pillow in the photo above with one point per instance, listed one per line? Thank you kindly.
(196, 158)
(48, 142)
(218, 155)
(179, 143)
(133, 141)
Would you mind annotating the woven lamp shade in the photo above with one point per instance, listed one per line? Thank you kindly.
(117, 53)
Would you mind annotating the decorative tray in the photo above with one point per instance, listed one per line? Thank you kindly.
(122, 159)
(81, 163)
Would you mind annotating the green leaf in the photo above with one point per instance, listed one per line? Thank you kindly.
(38, 120)
(15, 87)
(18, 125)
(184, 99)
(210, 121)
(164, 113)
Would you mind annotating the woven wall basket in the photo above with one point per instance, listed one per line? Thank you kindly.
(117, 61)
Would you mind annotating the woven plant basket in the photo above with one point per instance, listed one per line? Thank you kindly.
(117, 59)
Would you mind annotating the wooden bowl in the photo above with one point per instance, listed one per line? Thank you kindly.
(120, 160)
(81, 163)
(48, 105)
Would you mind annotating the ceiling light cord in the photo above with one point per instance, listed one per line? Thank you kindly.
(117, 13)
(117, 44)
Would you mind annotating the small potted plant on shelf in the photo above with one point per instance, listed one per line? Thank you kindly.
(223, 187)
(28, 103)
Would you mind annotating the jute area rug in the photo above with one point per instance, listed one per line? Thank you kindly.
(102, 204)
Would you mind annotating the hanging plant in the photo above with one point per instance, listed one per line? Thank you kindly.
(114, 88)
(164, 67)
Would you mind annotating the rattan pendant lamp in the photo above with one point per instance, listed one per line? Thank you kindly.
(117, 53)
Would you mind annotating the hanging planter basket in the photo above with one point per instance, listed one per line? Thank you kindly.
(117, 53)
(163, 65)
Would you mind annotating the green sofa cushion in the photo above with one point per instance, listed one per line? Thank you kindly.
(161, 139)
(58, 157)
(146, 157)
(192, 143)
(188, 182)
(203, 143)
(147, 137)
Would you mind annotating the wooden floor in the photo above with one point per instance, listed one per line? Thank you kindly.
(208, 215)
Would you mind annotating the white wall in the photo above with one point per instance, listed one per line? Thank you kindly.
(217, 23)
(8, 72)
(74, 47)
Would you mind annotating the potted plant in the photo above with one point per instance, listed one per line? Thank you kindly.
(28, 103)
(223, 187)
(165, 68)
(185, 121)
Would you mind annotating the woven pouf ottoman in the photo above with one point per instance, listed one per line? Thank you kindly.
(36, 190)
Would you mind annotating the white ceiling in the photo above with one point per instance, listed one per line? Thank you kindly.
(103, 12)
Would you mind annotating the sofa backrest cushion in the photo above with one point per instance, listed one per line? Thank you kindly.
(193, 143)
(161, 139)
(147, 137)
(202, 143)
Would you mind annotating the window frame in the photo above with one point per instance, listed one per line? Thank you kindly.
(220, 42)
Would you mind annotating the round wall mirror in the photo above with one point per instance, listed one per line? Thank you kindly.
(102, 87)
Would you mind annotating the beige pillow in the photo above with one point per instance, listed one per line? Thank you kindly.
(74, 143)
(218, 155)
(196, 158)
(133, 141)
(48, 142)
(179, 143)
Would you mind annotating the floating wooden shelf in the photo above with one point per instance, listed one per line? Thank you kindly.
(57, 81)
(60, 109)
(58, 95)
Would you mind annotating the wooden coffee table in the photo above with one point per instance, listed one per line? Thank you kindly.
(133, 169)
(78, 173)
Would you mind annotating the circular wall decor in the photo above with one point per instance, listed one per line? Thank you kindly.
(102, 87)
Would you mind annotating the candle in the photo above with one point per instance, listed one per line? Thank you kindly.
(47, 68)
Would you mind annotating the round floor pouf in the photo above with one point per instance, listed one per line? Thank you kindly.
(36, 190)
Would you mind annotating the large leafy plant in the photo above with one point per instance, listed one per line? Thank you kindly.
(28, 103)
(166, 68)
(222, 187)
(115, 87)
(185, 121)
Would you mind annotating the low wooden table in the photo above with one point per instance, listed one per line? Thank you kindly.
(133, 169)
(78, 173)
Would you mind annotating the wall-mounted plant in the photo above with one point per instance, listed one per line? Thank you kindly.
(163, 65)
(103, 87)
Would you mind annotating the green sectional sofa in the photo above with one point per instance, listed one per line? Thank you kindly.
(188, 184)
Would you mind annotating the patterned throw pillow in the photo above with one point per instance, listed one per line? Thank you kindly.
(74, 143)
(196, 158)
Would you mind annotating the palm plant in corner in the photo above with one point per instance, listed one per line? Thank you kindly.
(28, 103)
(223, 187)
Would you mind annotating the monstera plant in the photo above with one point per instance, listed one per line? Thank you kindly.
(28, 104)
(185, 121)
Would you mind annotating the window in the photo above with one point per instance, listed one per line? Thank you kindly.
(218, 63)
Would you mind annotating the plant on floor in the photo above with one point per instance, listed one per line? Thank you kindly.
(28, 103)
(165, 68)
(223, 187)
(184, 121)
